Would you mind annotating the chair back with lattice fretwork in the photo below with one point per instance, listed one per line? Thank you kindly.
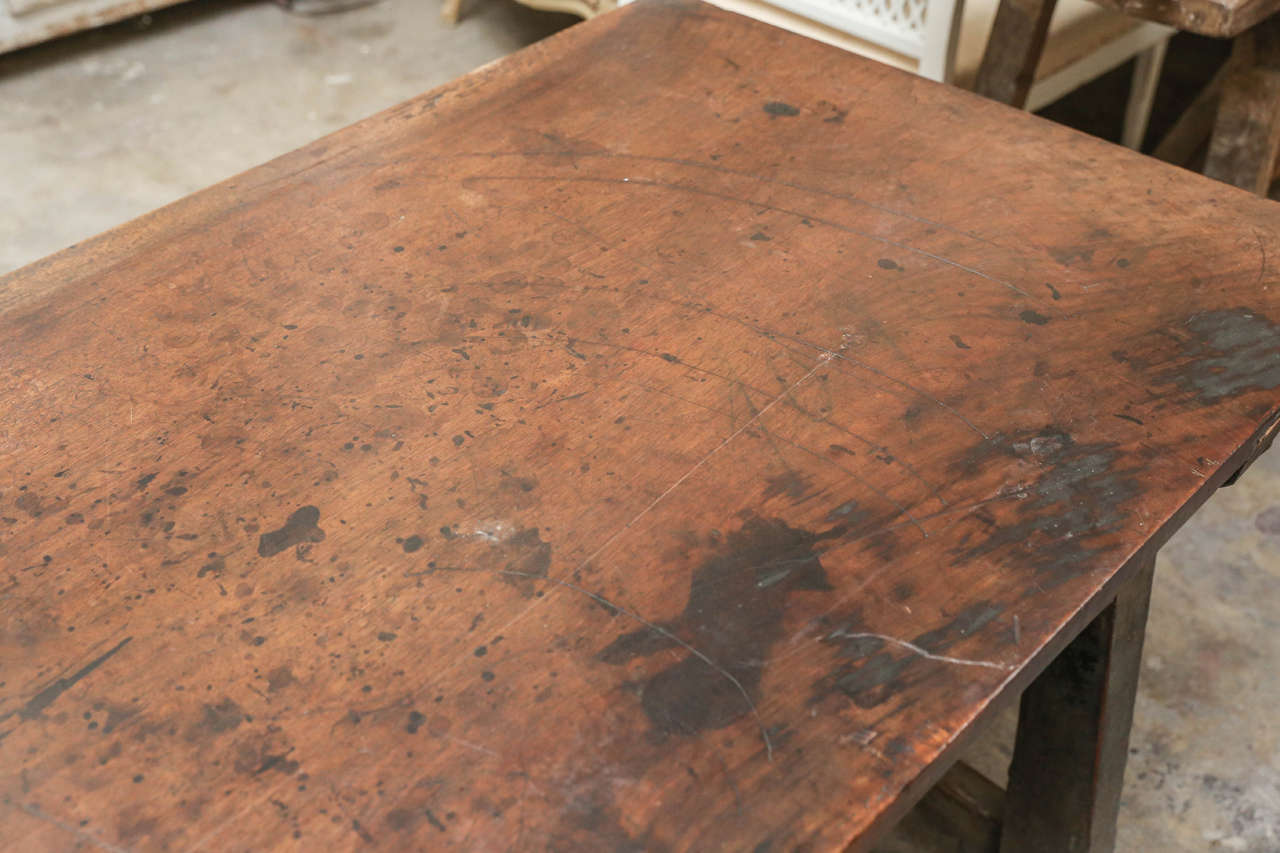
(922, 30)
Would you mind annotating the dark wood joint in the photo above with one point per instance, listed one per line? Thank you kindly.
(1073, 733)
(1261, 446)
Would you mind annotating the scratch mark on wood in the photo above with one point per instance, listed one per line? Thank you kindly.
(46, 697)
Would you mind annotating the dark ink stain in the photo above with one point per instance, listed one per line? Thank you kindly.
(277, 762)
(31, 504)
(1229, 352)
(116, 715)
(1033, 317)
(279, 678)
(734, 615)
(1063, 522)
(872, 671)
(258, 752)
(791, 484)
(46, 697)
(215, 565)
(778, 108)
(889, 264)
(528, 558)
(298, 530)
(1068, 256)
(222, 717)
(955, 339)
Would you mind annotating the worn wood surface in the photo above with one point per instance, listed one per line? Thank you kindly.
(1013, 50)
(1246, 131)
(688, 461)
(1073, 733)
(1217, 18)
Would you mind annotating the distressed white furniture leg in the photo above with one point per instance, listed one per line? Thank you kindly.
(1142, 93)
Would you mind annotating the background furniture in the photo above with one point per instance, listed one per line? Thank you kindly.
(24, 22)
(945, 39)
(1242, 104)
(508, 470)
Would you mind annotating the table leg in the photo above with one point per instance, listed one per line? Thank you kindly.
(1017, 39)
(1246, 134)
(1073, 734)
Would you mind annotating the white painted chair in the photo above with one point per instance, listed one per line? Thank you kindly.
(945, 39)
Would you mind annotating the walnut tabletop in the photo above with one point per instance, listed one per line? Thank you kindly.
(690, 460)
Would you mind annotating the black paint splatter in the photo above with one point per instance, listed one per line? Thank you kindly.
(1230, 352)
(299, 529)
(1063, 523)
(734, 615)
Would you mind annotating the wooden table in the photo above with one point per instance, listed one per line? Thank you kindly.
(1241, 104)
(693, 460)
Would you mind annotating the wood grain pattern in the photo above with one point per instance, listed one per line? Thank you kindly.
(689, 461)
(1216, 18)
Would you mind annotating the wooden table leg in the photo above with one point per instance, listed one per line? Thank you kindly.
(1246, 134)
(1013, 52)
(1073, 734)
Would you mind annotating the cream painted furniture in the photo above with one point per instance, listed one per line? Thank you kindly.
(27, 22)
(945, 39)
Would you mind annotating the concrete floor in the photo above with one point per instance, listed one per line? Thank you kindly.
(104, 126)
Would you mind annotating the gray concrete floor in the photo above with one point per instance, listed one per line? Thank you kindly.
(104, 126)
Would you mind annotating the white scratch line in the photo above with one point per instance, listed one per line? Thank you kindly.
(469, 745)
(924, 653)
